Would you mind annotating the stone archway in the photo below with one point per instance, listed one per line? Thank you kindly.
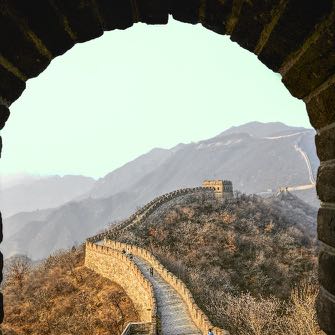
(292, 37)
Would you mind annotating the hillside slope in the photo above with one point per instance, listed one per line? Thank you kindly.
(42, 193)
(255, 156)
(261, 246)
(61, 296)
(49, 230)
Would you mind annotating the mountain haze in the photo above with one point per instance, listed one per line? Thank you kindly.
(257, 157)
(126, 176)
(42, 192)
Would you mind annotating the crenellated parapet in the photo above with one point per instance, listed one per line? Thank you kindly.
(111, 263)
(198, 316)
(141, 214)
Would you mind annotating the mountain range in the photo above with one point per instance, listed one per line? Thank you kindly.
(256, 157)
(29, 193)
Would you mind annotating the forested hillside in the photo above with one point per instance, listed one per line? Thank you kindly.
(252, 252)
(61, 296)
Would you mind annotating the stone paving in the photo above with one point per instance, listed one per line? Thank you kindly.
(172, 310)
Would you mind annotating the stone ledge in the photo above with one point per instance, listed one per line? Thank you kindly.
(185, 11)
(289, 33)
(314, 66)
(82, 18)
(115, 14)
(325, 185)
(321, 108)
(4, 115)
(325, 145)
(327, 271)
(18, 48)
(326, 226)
(326, 313)
(55, 38)
(11, 87)
(253, 18)
(216, 15)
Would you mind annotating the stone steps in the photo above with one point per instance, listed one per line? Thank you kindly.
(172, 311)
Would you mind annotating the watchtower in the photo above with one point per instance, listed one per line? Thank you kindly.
(223, 189)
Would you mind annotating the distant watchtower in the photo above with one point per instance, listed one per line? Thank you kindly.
(223, 189)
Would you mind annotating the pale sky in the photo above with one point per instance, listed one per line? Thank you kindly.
(112, 99)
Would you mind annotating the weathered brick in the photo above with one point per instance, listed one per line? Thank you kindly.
(325, 185)
(48, 26)
(326, 226)
(1, 307)
(1, 235)
(82, 18)
(325, 144)
(253, 17)
(321, 108)
(327, 271)
(11, 87)
(185, 11)
(153, 11)
(18, 49)
(314, 67)
(4, 114)
(1, 267)
(217, 14)
(111, 264)
(296, 23)
(115, 14)
(326, 314)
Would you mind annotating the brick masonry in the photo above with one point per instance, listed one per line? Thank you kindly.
(292, 37)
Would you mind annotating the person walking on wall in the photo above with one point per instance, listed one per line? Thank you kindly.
(210, 332)
(151, 271)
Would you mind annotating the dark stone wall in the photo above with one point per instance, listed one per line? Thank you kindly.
(293, 37)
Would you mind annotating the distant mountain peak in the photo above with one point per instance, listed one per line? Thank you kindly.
(261, 129)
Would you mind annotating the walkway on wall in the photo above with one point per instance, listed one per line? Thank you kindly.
(140, 215)
(172, 310)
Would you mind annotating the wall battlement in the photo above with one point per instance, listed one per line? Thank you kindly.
(112, 264)
(140, 215)
(110, 261)
(223, 189)
(197, 315)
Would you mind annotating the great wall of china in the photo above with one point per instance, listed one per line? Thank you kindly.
(163, 301)
(141, 214)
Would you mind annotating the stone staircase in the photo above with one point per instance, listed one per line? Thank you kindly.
(172, 311)
(176, 312)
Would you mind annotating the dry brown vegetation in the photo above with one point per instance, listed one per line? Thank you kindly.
(61, 296)
(249, 315)
(249, 264)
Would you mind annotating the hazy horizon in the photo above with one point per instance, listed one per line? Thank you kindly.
(8, 178)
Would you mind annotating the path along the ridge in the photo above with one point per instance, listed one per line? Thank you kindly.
(172, 311)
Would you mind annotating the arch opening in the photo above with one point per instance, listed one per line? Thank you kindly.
(285, 38)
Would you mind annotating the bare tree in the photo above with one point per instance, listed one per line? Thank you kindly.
(18, 271)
